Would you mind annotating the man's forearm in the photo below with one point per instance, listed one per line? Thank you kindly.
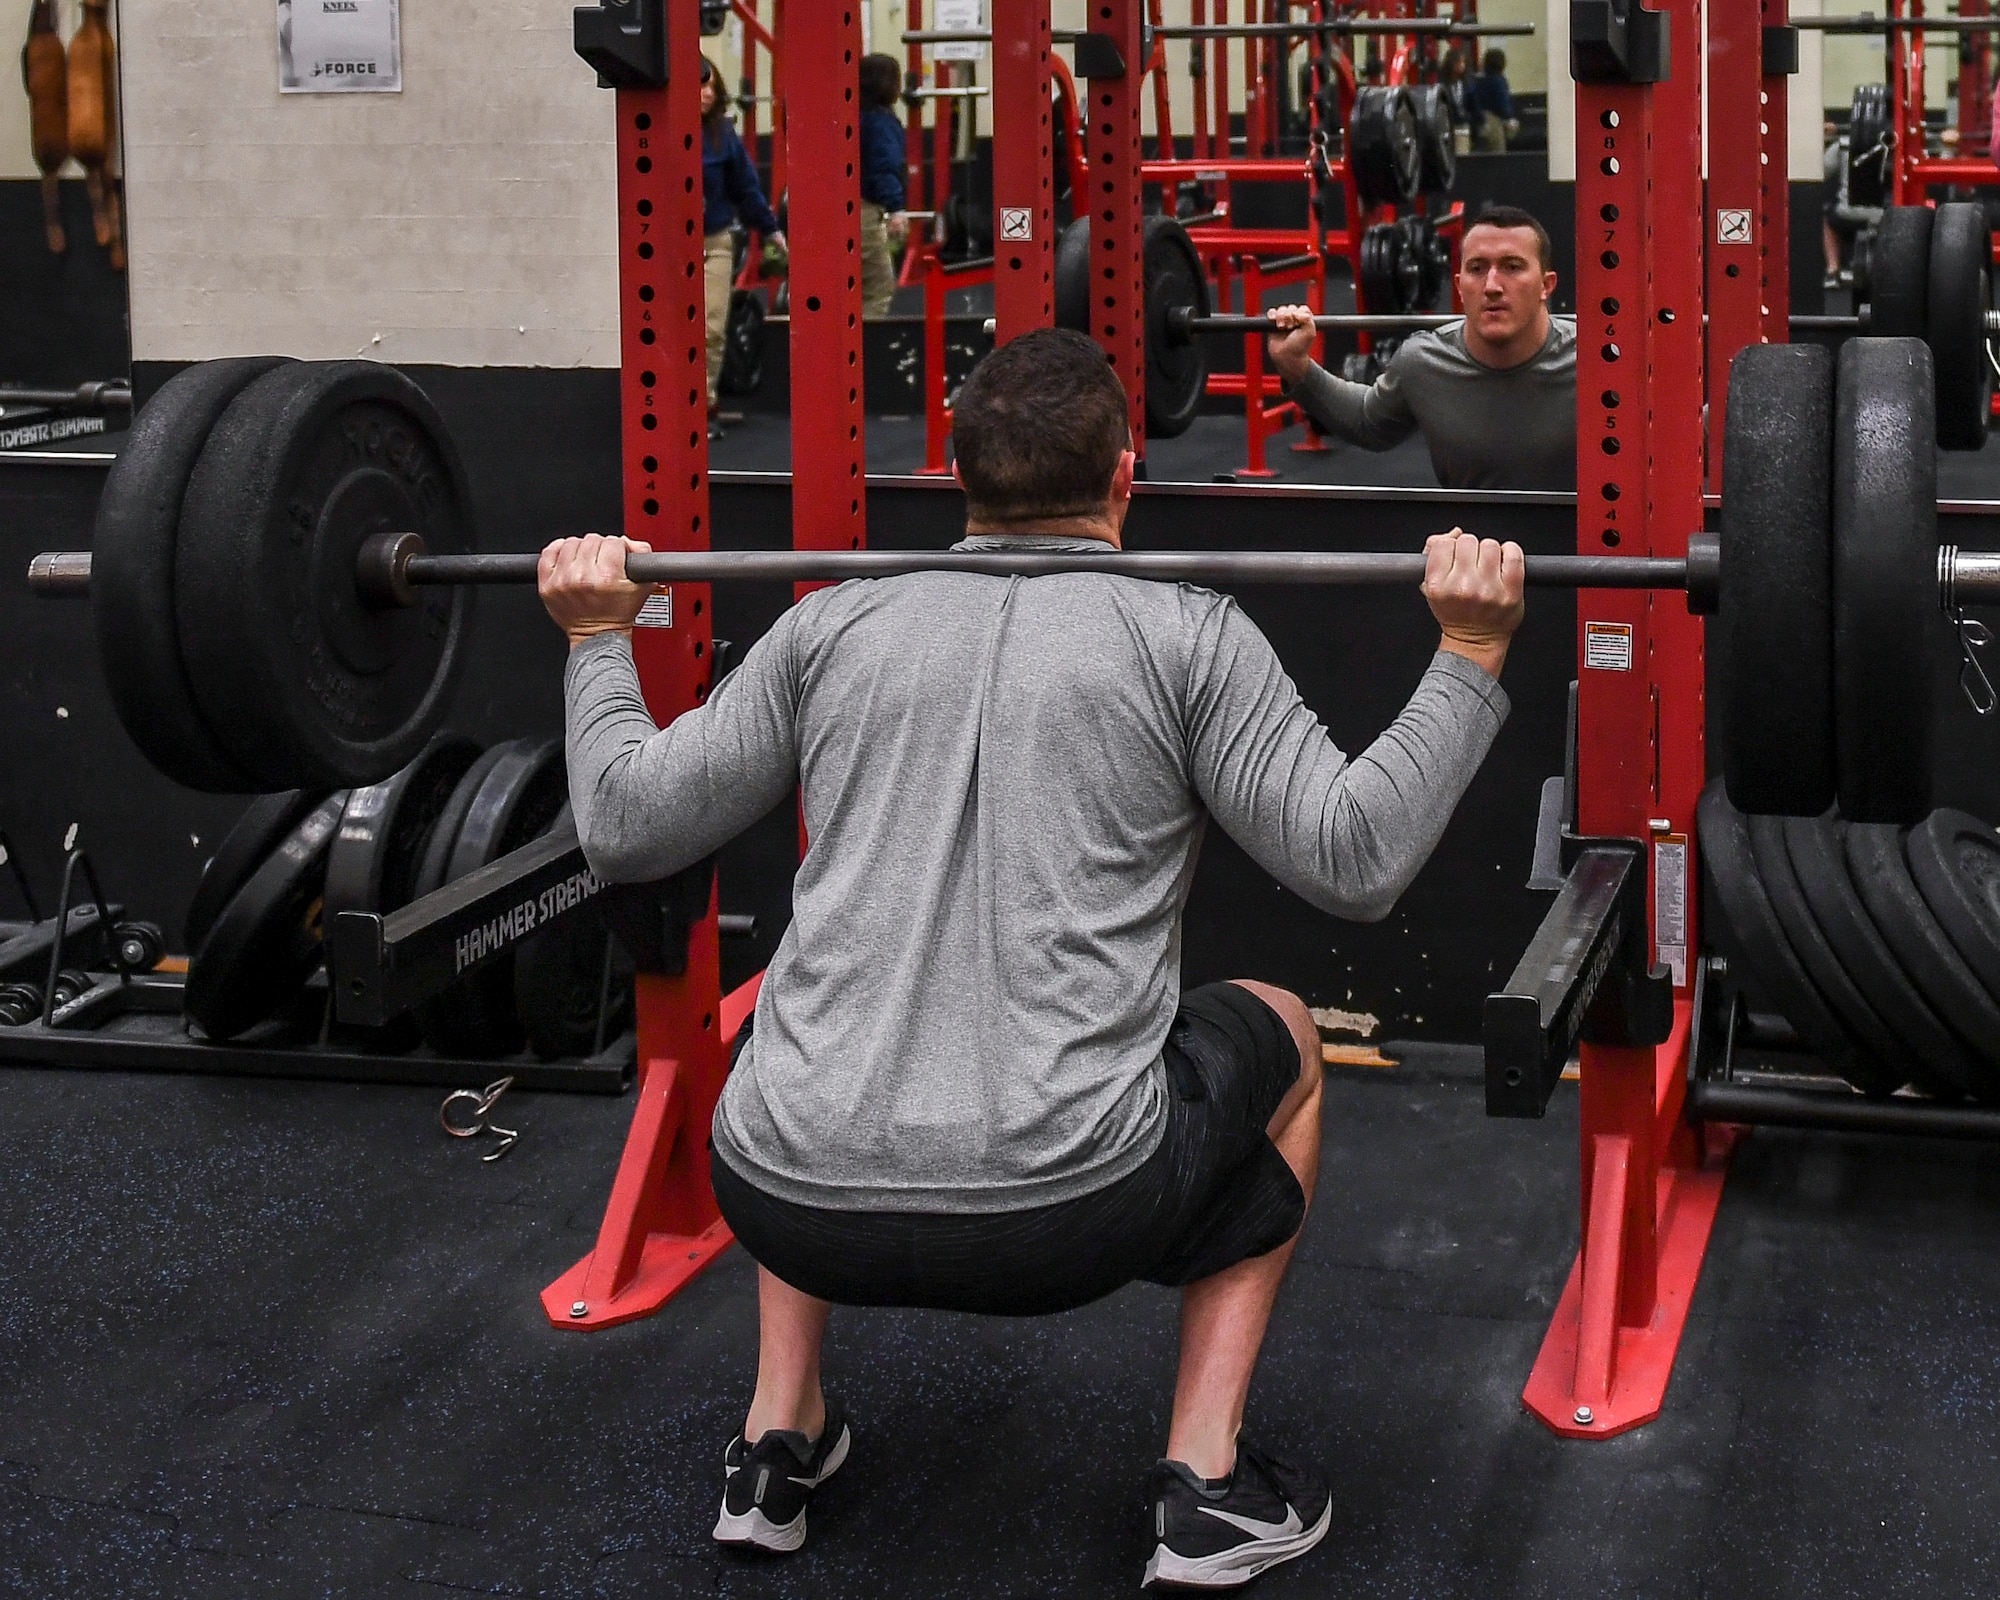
(1341, 408)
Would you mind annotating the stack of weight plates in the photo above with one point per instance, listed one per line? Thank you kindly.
(1879, 944)
(296, 859)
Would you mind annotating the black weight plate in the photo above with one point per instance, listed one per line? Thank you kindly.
(434, 867)
(1870, 145)
(953, 246)
(266, 942)
(301, 680)
(1777, 588)
(1392, 276)
(1391, 271)
(376, 854)
(1176, 367)
(1433, 260)
(743, 344)
(1955, 859)
(1816, 848)
(1437, 161)
(560, 976)
(1960, 295)
(1890, 1064)
(517, 800)
(253, 836)
(1072, 276)
(1889, 636)
(1899, 274)
(1861, 264)
(132, 574)
(1881, 874)
(1382, 145)
(1378, 270)
(1761, 944)
(1409, 265)
(434, 864)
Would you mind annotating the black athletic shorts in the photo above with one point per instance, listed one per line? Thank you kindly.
(1214, 1193)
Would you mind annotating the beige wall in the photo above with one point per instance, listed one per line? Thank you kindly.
(468, 220)
(1527, 57)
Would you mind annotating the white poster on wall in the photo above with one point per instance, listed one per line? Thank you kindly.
(339, 47)
(958, 16)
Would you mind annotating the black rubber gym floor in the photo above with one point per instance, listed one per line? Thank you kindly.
(278, 1339)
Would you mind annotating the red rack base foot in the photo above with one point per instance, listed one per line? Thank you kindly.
(661, 1226)
(1595, 1378)
(667, 1262)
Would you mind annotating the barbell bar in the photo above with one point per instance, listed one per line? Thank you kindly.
(109, 394)
(1440, 26)
(391, 567)
(1867, 22)
(1181, 320)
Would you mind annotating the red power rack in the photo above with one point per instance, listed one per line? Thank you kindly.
(661, 1226)
(1651, 1181)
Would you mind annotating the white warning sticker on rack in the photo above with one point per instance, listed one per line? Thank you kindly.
(657, 611)
(1607, 646)
(1670, 899)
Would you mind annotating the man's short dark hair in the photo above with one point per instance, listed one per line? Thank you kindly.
(881, 81)
(1495, 63)
(1515, 217)
(1038, 429)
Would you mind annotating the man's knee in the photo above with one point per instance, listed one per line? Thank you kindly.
(1298, 1019)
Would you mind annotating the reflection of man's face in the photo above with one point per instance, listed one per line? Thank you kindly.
(1501, 282)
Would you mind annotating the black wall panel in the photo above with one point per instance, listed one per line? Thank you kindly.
(62, 317)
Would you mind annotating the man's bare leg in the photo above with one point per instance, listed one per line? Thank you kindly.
(790, 1325)
(1223, 1317)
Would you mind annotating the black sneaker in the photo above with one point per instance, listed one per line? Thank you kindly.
(1215, 1533)
(768, 1484)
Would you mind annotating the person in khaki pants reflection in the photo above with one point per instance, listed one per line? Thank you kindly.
(729, 190)
(883, 220)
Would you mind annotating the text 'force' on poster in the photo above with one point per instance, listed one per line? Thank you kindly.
(339, 47)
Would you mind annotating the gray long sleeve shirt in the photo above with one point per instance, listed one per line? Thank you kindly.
(1005, 783)
(1487, 427)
